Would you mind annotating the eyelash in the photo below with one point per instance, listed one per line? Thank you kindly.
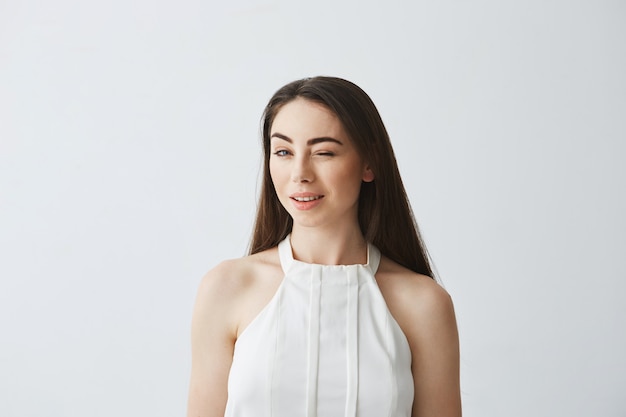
(283, 152)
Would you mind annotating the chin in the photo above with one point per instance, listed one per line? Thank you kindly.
(300, 222)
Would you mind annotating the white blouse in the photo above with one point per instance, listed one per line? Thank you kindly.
(326, 345)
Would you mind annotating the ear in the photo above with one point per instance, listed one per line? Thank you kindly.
(368, 174)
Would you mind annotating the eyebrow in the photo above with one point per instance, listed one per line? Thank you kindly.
(308, 142)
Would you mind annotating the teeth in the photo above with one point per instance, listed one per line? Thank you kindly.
(307, 198)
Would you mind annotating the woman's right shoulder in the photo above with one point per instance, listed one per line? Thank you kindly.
(233, 278)
(235, 290)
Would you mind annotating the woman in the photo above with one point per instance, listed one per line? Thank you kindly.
(335, 311)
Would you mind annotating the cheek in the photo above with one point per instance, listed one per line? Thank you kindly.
(351, 173)
(276, 174)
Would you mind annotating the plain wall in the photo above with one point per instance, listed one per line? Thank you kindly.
(129, 155)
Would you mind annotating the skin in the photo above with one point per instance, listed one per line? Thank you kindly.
(312, 156)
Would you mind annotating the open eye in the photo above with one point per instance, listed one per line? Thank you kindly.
(281, 152)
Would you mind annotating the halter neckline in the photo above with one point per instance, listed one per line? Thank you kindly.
(287, 260)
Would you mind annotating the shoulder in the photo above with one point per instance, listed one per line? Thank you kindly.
(222, 303)
(420, 305)
(410, 290)
(425, 313)
(235, 287)
(233, 277)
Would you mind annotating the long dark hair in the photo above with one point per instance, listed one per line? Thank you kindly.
(385, 215)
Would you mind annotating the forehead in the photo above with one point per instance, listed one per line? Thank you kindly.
(305, 119)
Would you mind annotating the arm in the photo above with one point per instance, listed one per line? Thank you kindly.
(212, 344)
(434, 342)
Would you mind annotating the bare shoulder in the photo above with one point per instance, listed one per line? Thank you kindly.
(231, 276)
(228, 296)
(412, 296)
(235, 288)
(425, 313)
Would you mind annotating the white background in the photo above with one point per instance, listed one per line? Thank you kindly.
(129, 154)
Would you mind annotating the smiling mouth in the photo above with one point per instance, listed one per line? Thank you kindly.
(304, 199)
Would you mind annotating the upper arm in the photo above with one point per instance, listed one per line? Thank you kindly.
(430, 326)
(212, 345)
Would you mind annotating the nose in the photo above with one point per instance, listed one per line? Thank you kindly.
(302, 171)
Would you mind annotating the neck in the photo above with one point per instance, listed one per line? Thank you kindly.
(329, 247)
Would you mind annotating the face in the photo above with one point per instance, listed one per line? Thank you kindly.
(316, 170)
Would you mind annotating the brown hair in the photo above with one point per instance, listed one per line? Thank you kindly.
(385, 215)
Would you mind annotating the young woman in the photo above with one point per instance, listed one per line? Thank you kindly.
(335, 312)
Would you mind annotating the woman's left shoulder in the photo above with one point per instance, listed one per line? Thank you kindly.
(419, 304)
(410, 292)
(424, 311)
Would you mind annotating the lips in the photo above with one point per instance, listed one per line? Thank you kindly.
(305, 201)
